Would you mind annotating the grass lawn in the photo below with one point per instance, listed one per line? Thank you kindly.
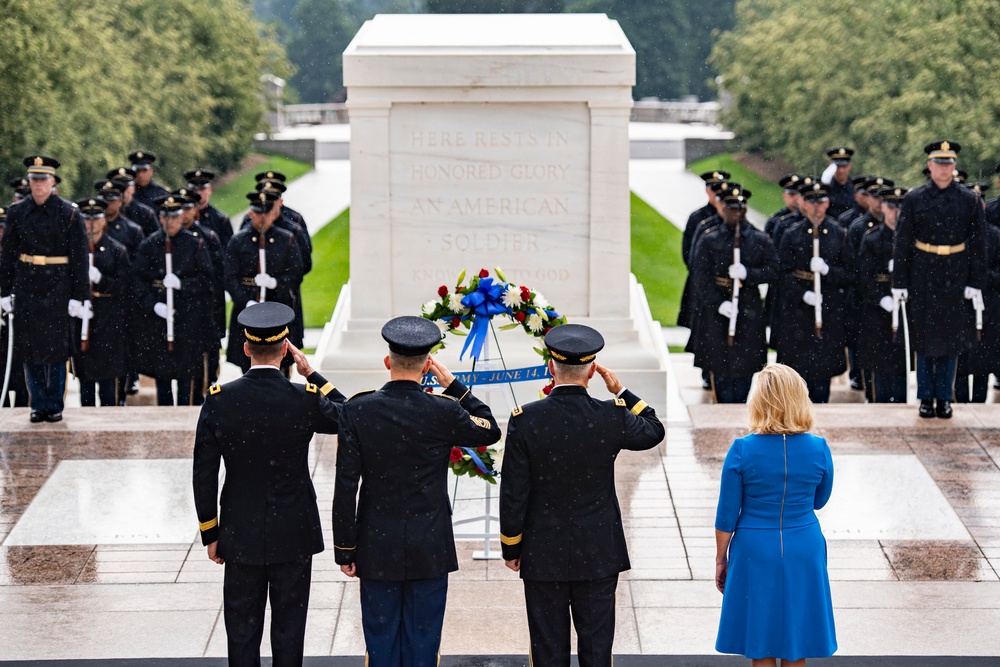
(656, 260)
(765, 195)
(331, 269)
(231, 197)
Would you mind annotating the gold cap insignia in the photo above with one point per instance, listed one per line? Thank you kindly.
(170, 200)
(92, 202)
(736, 192)
(270, 174)
(263, 196)
(107, 186)
(139, 155)
(945, 146)
(197, 172)
(39, 161)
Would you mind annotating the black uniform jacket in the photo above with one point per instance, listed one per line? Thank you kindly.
(148, 194)
(984, 357)
(261, 426)
(192, 305)
(685, 313)
(105, 357)
(942, 319)
(42, 291)
(559, 511)
(841, 197)
(878, 350)
(850, 215)
(710, 272)
(126, 232)
(397, 441)
(216, 251)
(689, 299)
(218, 222)
(283, 263)
(142, 215)
(793, 332)
(292, 221)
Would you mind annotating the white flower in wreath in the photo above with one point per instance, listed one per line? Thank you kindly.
(512, 297)
(535, 322)
(442, 325)
(455, 303)
(497, 452)
(429, 307)
(541, 301)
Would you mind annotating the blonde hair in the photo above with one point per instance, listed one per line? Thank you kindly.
(779, 402)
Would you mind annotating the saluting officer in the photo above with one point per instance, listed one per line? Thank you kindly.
(939, 268)
(815, 350)
(43, 263)
(269, 526)
(397, 538)
(136, 211)
(881, 352)
(247, 281)
(16, 379)
(147, 190)
(732, 361)
(102, 361)
(182, 358)
(201, 180)
(839, 183)
(560, 522)
(984, 357)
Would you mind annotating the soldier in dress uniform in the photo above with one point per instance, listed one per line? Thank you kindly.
(269, 527)
(182, 358)
(102, 359)
(940, 269)
(21, 188)
(43, 273)
(984, 357)
(397, 538)
(132, 208)
(993, 205)
(706, 211)
(201, 180)
(860, 206)
(732, 362)
(245, 281)
(790, 196)
(881, 352)
(782, 225)
(560, 521)
(814, 350)
(839, 183)
(118, 226)
(217, 328)
(16, 380)
(147, 190)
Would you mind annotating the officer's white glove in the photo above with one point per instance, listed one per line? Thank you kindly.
(160, 309)
(812, 298)
(726, 309)
(7, 304)
(95, 275)
(85, 311)
(890, 266)
(172, 281)
(887, 303)
(737, 271)
(818, 264)
(74, 308)
(976, 296)
(251, 302)
(265, 280)
(900, 294)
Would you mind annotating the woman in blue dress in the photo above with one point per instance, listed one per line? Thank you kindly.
(771, 553)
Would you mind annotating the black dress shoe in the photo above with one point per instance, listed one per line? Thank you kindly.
(53, 416)
(706, 385)
(37, 416)
(856, 385)
(944, 409)
(133, 388)
(927, 409)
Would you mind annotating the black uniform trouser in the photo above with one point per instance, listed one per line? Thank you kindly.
(731, 389)
(245, 593)
(592, 604)
(402, 621)
(189, 391)
(109, 390)
(980, 388)
(887, 386)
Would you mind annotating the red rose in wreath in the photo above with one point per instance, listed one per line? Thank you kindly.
(456, 455)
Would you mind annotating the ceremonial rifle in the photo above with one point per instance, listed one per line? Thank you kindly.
(261, 259)
(817, 285)
(169, 261)
(736, 283)
(10, 354)
(85, 327)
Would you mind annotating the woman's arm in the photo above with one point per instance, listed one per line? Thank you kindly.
(722, 540)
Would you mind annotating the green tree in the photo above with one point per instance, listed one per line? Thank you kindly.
(494, 6)
(885, 78)
(317, 48)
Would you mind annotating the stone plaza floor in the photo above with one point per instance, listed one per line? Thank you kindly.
(100, 557)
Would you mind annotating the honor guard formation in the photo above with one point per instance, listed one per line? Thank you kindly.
(133, 280)
(861, 276)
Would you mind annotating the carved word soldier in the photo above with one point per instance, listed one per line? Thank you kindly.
(43, 270)
(560, 522)
(732, 361)
(940, 270)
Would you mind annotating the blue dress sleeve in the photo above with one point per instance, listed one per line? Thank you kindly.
(730, 490)
(825, 487)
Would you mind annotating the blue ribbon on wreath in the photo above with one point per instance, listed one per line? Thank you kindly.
(484, 302)
(479, 462)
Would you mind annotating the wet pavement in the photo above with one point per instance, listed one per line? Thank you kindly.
(91, 544)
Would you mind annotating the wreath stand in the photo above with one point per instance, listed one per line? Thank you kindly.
(487, 518)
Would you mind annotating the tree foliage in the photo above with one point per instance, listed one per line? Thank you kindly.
(87, 85)
(886, 78)
(494, 6)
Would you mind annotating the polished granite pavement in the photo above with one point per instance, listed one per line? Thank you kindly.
(92, 567)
